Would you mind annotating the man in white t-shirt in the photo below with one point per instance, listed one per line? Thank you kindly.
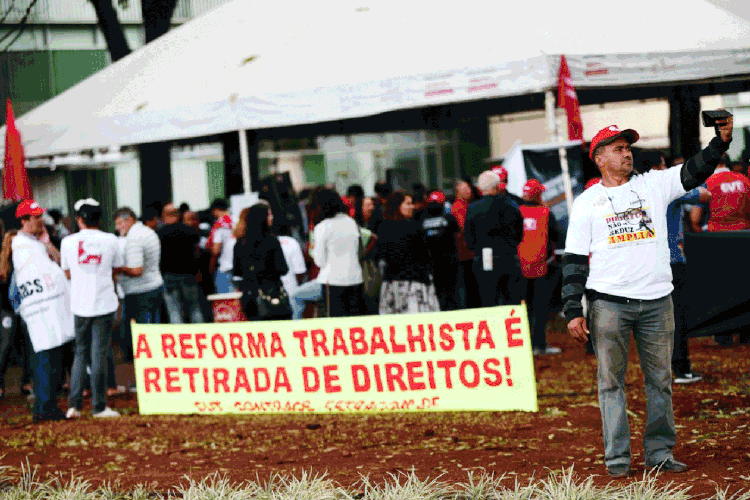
(90, 259)
(141, 278)
(621, 224)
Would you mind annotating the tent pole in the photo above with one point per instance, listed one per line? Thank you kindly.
(549, 104)
(244, 161)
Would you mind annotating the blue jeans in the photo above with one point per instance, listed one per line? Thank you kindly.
(93, 345)
(182, 298)
(652, 324)
(307, 292)
(143, 308)
(48, 377)
(223, 282)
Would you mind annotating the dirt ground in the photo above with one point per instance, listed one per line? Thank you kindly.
(159, 451)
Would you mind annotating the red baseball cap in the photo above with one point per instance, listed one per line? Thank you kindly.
(28, 207)
(533, 187)
(592, 182)
(501, 172)
(437, 197)
(609, 134)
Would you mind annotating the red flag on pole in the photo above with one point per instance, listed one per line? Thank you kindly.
(568, 99)
(16, 185)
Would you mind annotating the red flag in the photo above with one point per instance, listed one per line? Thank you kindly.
(16, 185)
(568, 99)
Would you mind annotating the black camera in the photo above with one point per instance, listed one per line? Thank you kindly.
(710, 117)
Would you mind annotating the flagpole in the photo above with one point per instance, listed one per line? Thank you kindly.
(554, 130)
(244, 161)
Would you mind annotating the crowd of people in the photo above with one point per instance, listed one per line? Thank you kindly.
(394, 253)
(397, 252)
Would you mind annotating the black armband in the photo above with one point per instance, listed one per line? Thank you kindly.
(575, 269)
(697, 169)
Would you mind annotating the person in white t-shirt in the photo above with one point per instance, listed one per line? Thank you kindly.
(621, 223)
(140, 278)
(90, 259)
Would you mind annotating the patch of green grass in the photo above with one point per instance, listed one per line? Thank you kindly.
(558, 485)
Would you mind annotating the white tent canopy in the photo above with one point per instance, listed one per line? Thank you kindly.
(253, 65)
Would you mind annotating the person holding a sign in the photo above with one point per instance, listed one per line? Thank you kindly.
(622, 223)
(44, 296)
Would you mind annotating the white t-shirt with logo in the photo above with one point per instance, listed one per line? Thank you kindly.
(624, 229)
(295, 261)
(90, 255)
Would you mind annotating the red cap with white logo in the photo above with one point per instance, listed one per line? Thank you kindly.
(437, 197)
(533, 187)
(28, 207)
(609, 134)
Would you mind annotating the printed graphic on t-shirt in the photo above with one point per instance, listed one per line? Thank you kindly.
(529, 224)
(89, 254)
(49, 283)
(634, 226)
(732, 187)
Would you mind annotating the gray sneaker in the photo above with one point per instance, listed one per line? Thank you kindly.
(670, 465)
(619, 470)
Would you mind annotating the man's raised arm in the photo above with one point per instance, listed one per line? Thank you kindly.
(697, 169)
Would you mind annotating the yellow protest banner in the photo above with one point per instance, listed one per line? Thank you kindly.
(476, 359)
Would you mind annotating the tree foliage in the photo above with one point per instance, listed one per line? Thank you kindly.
(156, 181)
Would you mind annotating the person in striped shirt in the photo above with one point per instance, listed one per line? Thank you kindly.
(141, 279)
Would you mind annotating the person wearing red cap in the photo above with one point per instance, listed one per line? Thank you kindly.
(622, 223)
(44, 308)
(440, 229)
(537, 256)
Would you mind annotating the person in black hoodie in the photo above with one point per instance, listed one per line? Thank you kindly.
(494, 229)
(258, 259)
(440, 229)
(407, 282)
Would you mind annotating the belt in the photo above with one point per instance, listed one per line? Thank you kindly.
(593, 295)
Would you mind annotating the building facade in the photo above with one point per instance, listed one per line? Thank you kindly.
(46, 47)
